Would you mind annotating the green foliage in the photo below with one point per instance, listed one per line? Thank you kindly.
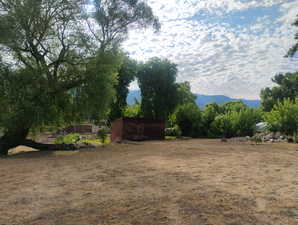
(117, 16)
(30, 103)
(222, 126)
(68, 139)
(210, 112)
(126, 75)
(55, 68)
(284, 117)
(294, 49)
(157, 79)
(132, 111)
(188, 118)
(245, 121)
(287, 84)
(234, 106)
(103, 134)
(234, 123)
(228, 120)
(184, 93)
(287, 88)
(173, 131)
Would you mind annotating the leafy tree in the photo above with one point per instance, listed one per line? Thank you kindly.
(287, 87)
(126, 75)
(233, 106)
(53, 69)
(235, 123)
(245, 121)
(284, 117)
(222, 126)
(287, 84)
(157, 81)
(188, 117)
(184, 93)
(211, 111)
(115, 17)
(292, 51)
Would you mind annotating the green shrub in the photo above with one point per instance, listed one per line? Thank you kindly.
(173, 131)
(284, 117)
(132, 111)
(234, 123)
(245, 121)
(103, 134)
(188, 118)
(222, 126)
(233, 106)
(68, 139)
(211, 111)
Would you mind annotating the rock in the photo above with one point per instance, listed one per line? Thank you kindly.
(268, 137)
(277, 135)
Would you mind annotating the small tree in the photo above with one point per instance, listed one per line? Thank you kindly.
(188, 117)
(284, 117)
(211, 111)
(235, 123)
(222, 126)
(287, 87)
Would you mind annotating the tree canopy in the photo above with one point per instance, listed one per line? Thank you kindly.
(284, 117)
(287, 88)
(157, 81)
(184, 93)
(59, 61)
(292, 51)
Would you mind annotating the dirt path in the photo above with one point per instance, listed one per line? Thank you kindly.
(194, 182)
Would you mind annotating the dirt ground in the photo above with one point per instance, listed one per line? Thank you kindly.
(190, 182)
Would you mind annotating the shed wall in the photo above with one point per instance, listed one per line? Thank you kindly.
(137, 129)
(117, 130)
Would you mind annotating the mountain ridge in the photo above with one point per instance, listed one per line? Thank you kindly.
(201, 100)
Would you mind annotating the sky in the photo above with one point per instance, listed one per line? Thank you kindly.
(222, 47)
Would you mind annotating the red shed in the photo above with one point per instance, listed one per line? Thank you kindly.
(137, 129)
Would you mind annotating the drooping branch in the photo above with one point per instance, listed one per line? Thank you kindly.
(49, 147)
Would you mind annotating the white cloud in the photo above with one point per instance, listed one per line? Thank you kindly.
(216, 55)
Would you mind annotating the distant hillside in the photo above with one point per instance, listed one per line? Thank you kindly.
(132, 95)
(201, 101)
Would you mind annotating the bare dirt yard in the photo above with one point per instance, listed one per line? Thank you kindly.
(190, 182)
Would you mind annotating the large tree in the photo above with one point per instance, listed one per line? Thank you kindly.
(59, 61)
(287, 84)
(287, 88)
(157, 81)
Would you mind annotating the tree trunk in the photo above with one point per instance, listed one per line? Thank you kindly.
(48, 147)
(12, 139)
(16, 138)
